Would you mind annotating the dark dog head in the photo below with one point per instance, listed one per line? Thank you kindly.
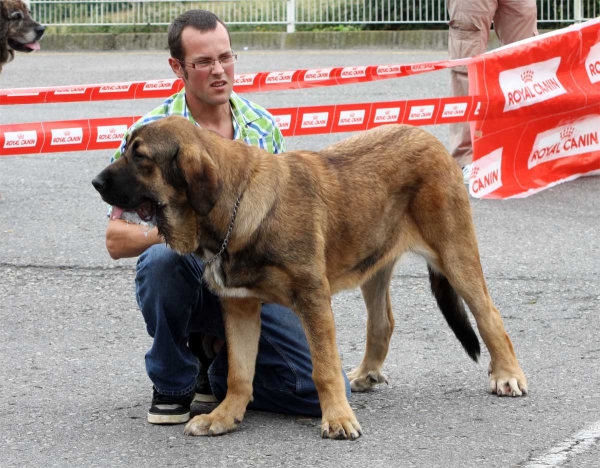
(167, 176)
(18, 31)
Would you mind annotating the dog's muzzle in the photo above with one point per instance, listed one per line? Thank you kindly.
(32, 44)
(145, 209)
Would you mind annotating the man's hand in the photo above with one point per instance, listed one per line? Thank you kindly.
(125, 240)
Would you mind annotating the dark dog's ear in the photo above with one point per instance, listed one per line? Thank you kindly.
(6, 53)
(203, 183)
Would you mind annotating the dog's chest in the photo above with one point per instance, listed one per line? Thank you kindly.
(215, 278)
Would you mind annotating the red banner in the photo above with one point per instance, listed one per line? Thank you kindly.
(541, 113)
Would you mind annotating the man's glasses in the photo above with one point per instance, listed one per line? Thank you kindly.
(224, 60)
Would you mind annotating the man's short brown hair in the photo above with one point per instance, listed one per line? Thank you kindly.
(202, 20)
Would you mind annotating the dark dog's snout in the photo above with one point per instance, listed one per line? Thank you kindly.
(39, 30)
(99, 183)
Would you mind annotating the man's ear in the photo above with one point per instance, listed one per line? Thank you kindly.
(203, 183)
(176, 67)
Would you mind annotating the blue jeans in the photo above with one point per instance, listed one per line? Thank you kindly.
(175, 302)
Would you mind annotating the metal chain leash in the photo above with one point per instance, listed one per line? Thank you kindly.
(229, 230)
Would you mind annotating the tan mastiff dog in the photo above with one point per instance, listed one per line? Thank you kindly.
(296, 228)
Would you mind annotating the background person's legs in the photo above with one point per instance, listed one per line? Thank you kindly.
(515, 20)
(470, 23)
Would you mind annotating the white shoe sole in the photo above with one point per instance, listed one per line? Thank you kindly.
(168, 418)
(205, 398)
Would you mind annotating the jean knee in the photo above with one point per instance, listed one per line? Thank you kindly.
(154, 262)
(167, 286)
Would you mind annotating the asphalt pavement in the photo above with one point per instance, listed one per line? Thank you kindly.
(74, 392)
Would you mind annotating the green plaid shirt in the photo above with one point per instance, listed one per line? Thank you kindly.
(251, 122)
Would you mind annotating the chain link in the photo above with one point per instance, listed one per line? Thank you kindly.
(229, 230)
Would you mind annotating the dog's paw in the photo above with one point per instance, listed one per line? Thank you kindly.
(341, 428)
(507, 383)
(362, 382)
(209, 425)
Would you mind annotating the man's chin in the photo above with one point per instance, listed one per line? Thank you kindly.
(218, 96)
(210, 97)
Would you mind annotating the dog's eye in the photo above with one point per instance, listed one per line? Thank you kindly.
(17, 15)
(137, 156)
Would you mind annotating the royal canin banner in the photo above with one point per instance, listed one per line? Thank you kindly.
(540, 113)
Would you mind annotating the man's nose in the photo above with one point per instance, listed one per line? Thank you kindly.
(218, 68)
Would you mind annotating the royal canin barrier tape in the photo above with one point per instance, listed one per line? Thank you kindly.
(100, 134)
(244, 83)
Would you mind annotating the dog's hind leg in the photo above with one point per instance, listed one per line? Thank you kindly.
(242, 332)
(380, 326)
(453, 308)
(447, 230)
(465, 275)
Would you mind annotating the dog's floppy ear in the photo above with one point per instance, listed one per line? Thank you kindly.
(6, 53)
(204, 185)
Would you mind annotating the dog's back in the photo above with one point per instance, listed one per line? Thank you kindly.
(392, 150)
(368, 187)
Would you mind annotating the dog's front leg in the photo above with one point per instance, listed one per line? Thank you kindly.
(338, 420)
(242, 332)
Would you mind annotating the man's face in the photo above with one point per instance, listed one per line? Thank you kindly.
(210, 86)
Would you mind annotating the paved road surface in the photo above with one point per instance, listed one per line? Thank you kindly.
(72, 379)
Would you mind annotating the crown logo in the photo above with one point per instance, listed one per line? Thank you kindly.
(527, 76)
(20, 136)
(112, 130)
(67, 133)
(567, 133)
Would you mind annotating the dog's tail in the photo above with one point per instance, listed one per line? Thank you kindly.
(454, 312)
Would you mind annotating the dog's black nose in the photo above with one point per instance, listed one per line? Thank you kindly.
(99, 183)
(40, 29)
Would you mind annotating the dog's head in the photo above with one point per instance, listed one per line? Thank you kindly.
(167, 176)
(18, 31)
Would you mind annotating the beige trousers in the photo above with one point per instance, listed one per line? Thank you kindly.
(470, 22)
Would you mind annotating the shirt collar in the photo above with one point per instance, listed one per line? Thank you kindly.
(241, 112)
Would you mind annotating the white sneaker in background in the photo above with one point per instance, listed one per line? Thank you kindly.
(467, 173)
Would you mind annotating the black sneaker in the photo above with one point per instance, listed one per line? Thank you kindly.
(204, 393)
(201, 345)
(167, 409)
